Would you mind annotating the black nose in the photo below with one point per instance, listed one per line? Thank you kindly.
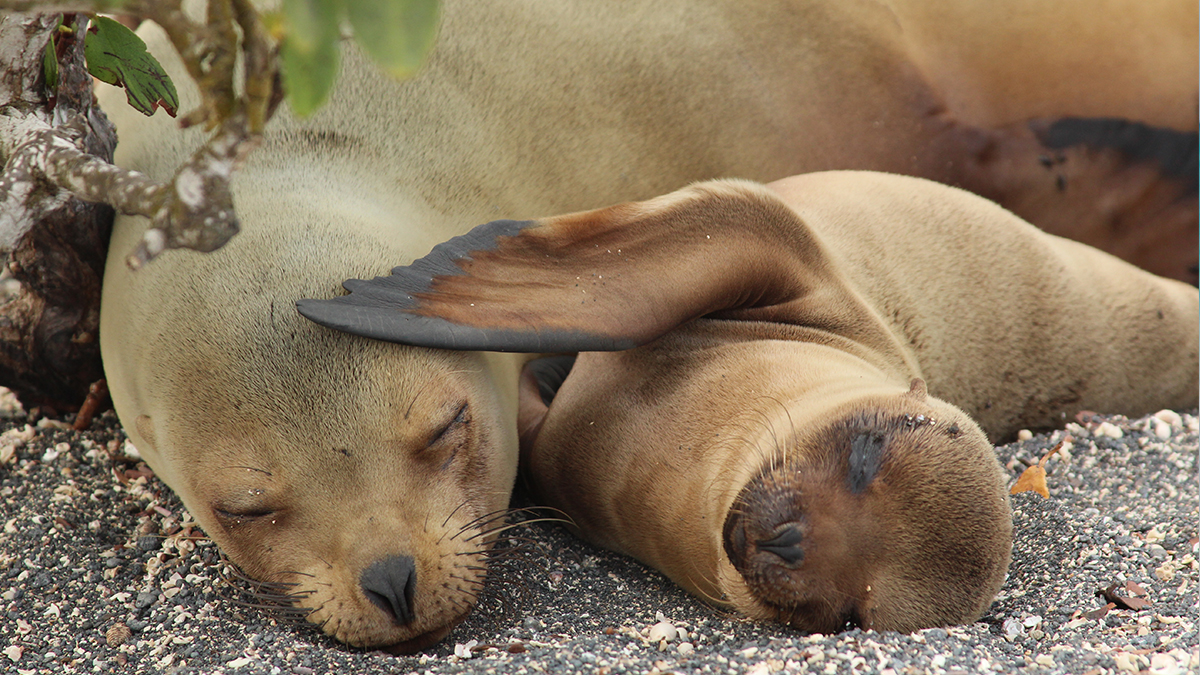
(390, 583)
(786, 544)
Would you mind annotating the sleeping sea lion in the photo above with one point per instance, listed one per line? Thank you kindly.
(798, 424)
(367, 474)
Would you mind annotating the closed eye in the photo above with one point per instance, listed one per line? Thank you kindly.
(252, 514)
(453, 425)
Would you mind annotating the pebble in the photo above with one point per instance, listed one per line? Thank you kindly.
(1170, 417)
(662, 631)
(1130, 663)
(1164, 664)
(1162, 430)
(1109, 429)
(1101, 527)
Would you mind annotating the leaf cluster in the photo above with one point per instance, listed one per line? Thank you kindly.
(116, 55)
(398, 34)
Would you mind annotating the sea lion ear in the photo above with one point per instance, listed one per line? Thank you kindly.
(917, 390)
(599, 280)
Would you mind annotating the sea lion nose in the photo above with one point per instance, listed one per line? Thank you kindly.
(390, 584)
(786, 544)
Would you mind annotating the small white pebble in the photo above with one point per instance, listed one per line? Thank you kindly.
(1044, 660)
(663, 630)
(238, 663)
(1110, 430)
(1170, 417)
(1164, 664)
(1127, 662)
(1024, 435)
(1162, 430)
(685, 649)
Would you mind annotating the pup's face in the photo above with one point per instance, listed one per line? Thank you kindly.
(893, 517)
(367, 478)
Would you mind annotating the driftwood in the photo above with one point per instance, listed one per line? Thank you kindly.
(49, 330)
(58, 179)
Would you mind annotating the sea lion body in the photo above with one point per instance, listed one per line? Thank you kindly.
(347, 467)
(800, 430)
(648, 449)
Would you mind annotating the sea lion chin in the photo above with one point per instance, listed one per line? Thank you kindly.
(883, 520)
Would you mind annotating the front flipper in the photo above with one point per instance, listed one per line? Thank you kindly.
(602, 280)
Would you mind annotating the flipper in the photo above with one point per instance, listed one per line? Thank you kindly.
(602, 280)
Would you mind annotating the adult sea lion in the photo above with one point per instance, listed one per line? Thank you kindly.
(796, 427)
(365, 473)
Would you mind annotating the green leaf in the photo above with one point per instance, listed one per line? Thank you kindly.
(309, 52)
(50, 65)
(396, 33)
(118, 56)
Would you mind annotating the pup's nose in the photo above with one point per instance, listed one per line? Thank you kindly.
(786, 544)
(390, 583)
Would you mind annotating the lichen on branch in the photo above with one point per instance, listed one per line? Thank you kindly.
(46, 163)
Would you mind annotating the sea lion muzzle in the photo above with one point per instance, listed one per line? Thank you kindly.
(809, 565)
(390, 585)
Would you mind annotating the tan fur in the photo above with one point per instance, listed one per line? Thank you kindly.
(894, 279)
(525, 108)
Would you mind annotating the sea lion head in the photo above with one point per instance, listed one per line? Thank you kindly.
(369, 505)
(893, 516)
(362, 481)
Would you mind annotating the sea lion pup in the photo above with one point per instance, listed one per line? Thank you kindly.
(796, 427)
(347, 467)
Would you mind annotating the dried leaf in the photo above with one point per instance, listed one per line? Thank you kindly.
(116, 55)
(1034, 478)
(1134, 590)
(1121, 602)
(1099, 613)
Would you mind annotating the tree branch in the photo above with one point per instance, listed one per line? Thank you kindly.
(196, 209)
(57, 150)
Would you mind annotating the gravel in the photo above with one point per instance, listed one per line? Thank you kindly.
(102, 570)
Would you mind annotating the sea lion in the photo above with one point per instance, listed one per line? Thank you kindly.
(347, 467)
(799, 425)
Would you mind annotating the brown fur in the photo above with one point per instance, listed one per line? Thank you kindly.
(821, 359)
(648, 450)
(525, 108)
